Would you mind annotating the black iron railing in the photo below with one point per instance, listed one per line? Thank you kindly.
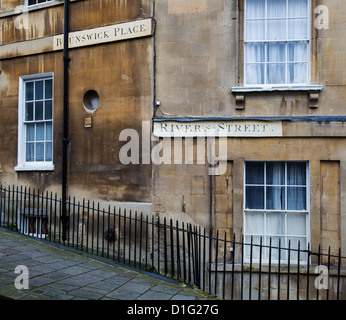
(215, 263)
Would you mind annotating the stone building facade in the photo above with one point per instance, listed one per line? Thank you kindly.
(254, 89)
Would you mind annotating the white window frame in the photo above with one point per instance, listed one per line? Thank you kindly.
(23, 165)
(266, 86)
(266, 236)
(26, 3)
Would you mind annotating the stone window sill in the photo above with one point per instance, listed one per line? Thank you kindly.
(313, 92)
(34, 168)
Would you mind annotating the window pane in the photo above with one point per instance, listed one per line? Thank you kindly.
(255, 9)
(275, 224)
(296, 173)
(298, 8)
(254, 198)
(254, 173)
(31, 2)
(49, 131)
(276, 8)
(40, 151)
(29, 111)
(296, 198)
(49, 151)
(44, 226)
(298, 51)
(276, 73)
(275, 173)
(276, 52)
(32, 225)
(255, 52)
(255, 73)
(30, 152)
(39, 90)
(297, 73)
(30, 132)
(40, 132)
(48, 89)
(297, 29)
(48, 109)
(276, 30)
(29, 91)
(39, 110)
(254, 223)
(275, 197)
(296, 224)
(255, 30)
(276, 242)
(294, 245)
(255, 249)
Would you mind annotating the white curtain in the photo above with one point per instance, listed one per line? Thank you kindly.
(284, 60)
(255, 9)
(276, 190)
(296, 190)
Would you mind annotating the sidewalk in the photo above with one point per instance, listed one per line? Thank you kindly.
(59, 274)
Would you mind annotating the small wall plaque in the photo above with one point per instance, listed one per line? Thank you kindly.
(87, 123)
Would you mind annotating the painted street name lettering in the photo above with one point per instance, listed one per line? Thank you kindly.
(218, 129)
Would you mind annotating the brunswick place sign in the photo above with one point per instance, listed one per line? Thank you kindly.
(115, 32)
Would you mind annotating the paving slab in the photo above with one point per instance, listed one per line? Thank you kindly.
(59, 273)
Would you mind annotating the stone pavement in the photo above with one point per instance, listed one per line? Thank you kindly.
(56, 273)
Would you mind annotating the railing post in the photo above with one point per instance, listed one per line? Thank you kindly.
(279, 267)
(224, 267)
(178, 251)
(339, 268)
(288, 269)
(298, 277)
(204, 253)
(260, 271)
(130, 235)
(242, 269)
(210, 247)
(233, 258)
(165, 245)
(172, 247)
(87, 231)
(308, 274)
(158, 245)
(83, 211)
(184, 253)
(140, 241)
(146, 241)
(328, 272)
(119, 230)
(270, 265)
(216, 259)
(135, 241)
(319, 263)
(152, 243)
(251, 251)
(114, 228)
(124, 242)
